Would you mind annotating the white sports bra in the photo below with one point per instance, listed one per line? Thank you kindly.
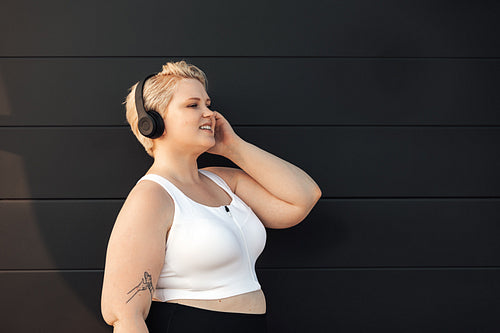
(210, 251)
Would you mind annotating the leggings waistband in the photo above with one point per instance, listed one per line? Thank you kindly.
(167, 317)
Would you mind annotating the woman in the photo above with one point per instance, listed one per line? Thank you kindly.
(187, 238)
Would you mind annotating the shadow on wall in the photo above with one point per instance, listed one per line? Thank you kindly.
(38, 239)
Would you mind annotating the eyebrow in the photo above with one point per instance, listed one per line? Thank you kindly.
(208, 99)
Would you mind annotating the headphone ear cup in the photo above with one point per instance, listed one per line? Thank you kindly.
(146, 126)
(159, 125)
(152, 125)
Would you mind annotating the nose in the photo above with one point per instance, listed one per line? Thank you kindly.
(208, 113)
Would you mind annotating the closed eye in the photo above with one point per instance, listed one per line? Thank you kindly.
(195, 105)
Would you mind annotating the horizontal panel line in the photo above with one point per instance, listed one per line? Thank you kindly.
(340, 57)
(381, 268)
(322, 198)
(64, 126)
(265, 125)
(13, 271)
(414, 198)
(60, 199)
(389, 268)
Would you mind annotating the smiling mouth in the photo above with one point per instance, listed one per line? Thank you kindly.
(206, 128)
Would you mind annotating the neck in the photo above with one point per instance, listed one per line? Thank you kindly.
(180, 166)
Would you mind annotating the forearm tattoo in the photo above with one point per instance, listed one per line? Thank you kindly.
(146, 283)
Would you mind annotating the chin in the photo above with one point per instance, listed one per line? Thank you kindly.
(208, 145)
(212, 143)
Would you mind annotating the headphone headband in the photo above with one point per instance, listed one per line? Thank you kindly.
(139, 102)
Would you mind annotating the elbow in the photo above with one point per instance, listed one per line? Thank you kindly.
(314, 198)
(304, 211)
(127, 320)
(116, 315)
(295, 214)
(107, 314)
(317, 194)
(110, 319)
(111, 312)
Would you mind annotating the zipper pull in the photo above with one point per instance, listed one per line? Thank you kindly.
(228, 211)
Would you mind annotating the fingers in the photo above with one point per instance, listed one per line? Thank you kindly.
(217, 116)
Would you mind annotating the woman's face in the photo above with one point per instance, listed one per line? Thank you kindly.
(187, 111)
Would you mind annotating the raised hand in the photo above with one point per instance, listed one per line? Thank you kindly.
(225, 137)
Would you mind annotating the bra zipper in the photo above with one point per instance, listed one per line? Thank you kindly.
(245, 242)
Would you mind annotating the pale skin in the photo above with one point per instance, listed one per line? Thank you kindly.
(279, 193)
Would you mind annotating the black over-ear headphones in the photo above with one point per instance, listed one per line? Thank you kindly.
(150, 122)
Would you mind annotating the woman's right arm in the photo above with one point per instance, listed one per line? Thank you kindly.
(135, 256)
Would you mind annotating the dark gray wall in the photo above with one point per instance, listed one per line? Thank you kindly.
(391, 106)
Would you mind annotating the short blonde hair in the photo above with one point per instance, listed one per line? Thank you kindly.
(158, 92)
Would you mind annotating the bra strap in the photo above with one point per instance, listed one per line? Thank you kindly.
(171, 189)
(219, 181)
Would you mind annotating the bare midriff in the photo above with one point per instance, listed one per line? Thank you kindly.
(252, 302)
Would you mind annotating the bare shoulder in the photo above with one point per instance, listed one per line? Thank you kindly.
(230, 175)
(148, 204)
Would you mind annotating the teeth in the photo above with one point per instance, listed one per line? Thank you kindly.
(206, 127)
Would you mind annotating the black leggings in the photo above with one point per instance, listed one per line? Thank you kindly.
(173, 318)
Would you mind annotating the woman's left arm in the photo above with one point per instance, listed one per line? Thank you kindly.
(280, 193)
